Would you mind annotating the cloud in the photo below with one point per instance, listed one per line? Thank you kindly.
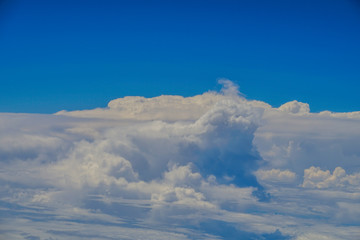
(297, 142)
(355, 115)
(314, 177)
(212, 166)
(165, 107)
(295, 107)
(230, 88)
(276, 175)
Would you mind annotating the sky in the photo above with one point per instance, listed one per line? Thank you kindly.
(179, 120)
(72, 55)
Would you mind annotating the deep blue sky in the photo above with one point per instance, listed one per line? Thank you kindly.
(71, 55)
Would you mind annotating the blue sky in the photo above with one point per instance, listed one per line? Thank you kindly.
(213, 166)
(80, 54)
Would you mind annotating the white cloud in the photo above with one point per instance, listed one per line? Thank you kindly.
(276, 175)
(355, 115)
(165, 107)
(314, 177)
(210, 166)
(295, 107)
(297, 142)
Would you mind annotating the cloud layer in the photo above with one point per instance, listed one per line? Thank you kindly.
(212, 166)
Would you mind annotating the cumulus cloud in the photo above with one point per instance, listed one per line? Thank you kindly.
(276, 175)
(295, 107)
(355, 115)
(314, 177)
(212, 166)
(165, 107)
(297, 142)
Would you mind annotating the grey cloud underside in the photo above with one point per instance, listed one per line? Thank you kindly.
(212, 166)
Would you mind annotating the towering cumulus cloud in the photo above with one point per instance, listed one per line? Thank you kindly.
(212, 166)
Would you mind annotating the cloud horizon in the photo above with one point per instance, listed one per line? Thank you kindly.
(211, 166)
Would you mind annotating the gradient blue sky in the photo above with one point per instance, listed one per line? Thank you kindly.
(71, 55)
